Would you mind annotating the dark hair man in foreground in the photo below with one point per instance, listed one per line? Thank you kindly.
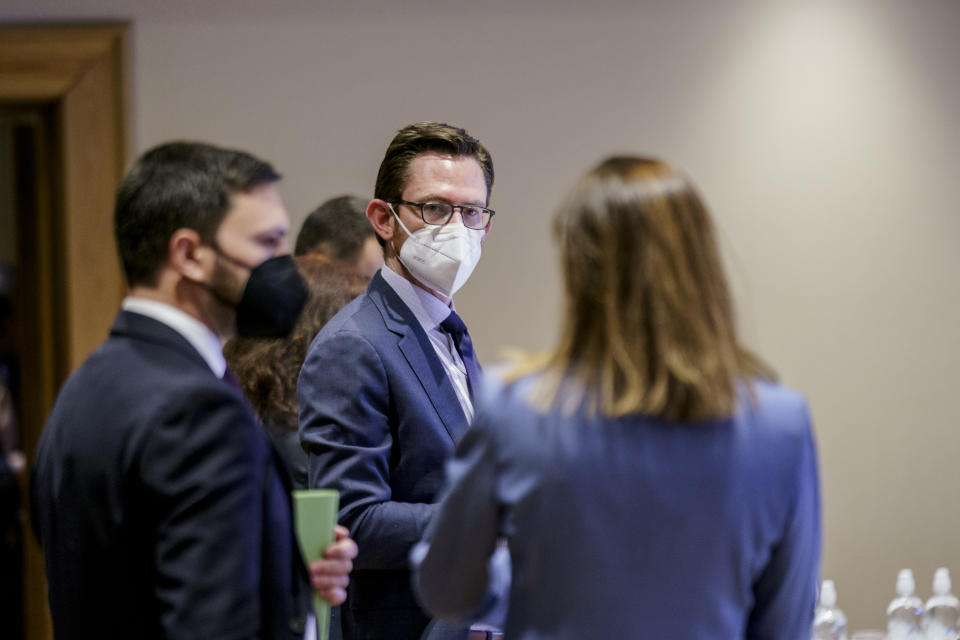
(155, 494)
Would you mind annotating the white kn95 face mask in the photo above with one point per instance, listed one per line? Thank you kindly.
(441, 257)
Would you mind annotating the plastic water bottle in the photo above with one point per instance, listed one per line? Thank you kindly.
(943, 609)
(905, 613)
(829, 623)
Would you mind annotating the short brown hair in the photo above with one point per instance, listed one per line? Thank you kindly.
(648, 325)
(337, 228)
(419, 138)
(177, 185)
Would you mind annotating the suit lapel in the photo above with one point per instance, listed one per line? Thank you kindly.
(436, 384)
(419, 353)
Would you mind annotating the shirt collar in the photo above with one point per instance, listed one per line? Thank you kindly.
(428, 309)
(195, 332)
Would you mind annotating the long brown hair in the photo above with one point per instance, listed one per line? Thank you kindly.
(648, 325)
(268, 368)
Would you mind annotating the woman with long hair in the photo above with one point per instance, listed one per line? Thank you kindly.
(267, 369)
(650, 477)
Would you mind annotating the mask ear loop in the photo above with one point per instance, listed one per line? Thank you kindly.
(402, 226)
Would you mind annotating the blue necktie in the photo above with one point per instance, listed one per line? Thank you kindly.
(461, 340)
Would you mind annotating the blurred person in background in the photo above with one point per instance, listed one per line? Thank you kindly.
(268, 368)
(339, 229)
(650, 477)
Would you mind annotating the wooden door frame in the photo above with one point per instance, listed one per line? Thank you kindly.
(76, 74)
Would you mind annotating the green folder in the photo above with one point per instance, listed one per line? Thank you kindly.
(315, 514)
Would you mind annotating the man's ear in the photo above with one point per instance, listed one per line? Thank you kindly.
(381, 219)
(190, 257)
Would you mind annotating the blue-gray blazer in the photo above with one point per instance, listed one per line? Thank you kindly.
(631, 527)
(379, 418)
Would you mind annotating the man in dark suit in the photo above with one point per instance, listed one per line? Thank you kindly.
(387, 386)
(155, 494)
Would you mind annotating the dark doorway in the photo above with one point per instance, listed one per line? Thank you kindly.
(21, 129)
(28, 338)
(62, 151)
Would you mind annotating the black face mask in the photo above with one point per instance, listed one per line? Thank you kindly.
(272, 299)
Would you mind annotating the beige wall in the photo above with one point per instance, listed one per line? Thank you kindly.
(823, 134)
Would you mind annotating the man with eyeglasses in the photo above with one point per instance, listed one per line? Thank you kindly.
(387, 387)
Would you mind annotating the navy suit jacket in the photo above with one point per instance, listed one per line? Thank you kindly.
(632, 527)
(380, 418)
(158, 501)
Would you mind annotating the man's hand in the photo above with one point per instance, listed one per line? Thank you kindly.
(331, 574)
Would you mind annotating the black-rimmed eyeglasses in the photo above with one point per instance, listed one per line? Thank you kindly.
(437, 213)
